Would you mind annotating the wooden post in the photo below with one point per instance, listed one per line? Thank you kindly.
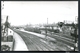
(46, 33)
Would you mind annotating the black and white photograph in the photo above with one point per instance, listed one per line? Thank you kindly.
(39, 26)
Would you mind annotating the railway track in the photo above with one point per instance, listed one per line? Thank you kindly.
(37, 45)
(34, 43)
(65, 35)
(63, 40)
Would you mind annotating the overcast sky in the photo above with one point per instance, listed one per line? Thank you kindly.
(37, 12)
